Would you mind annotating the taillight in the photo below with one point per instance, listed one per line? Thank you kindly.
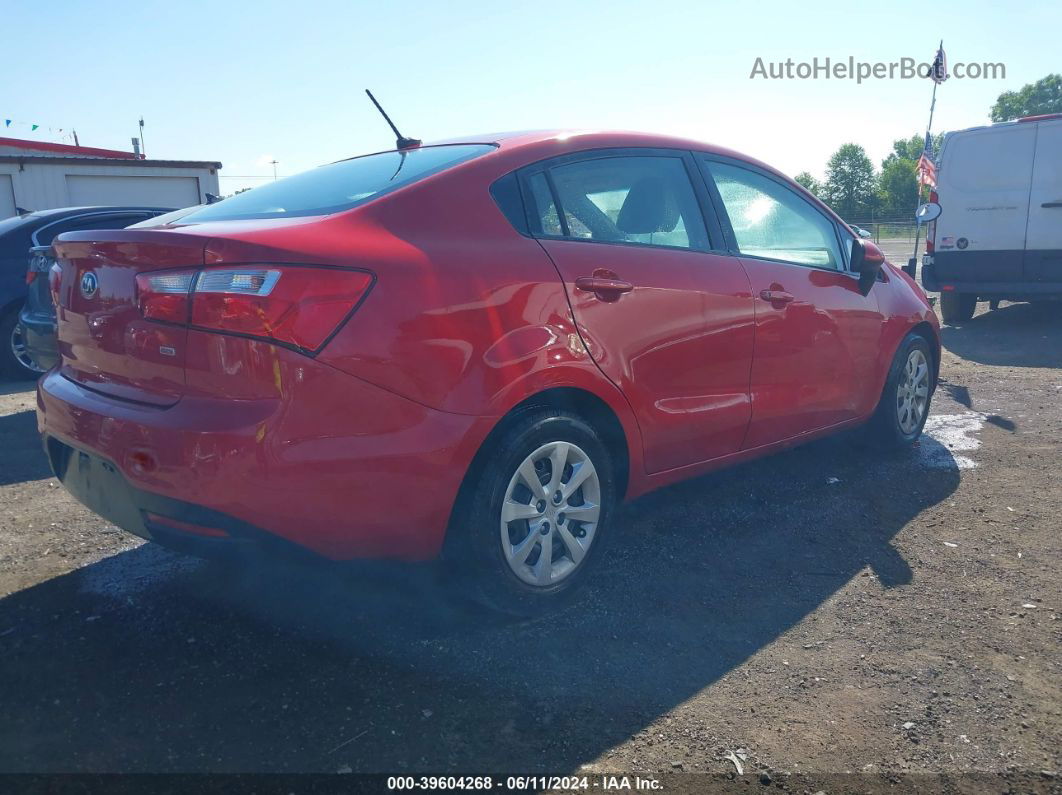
(55, 277)
(931, 228)
(292, 305)
(164, 296)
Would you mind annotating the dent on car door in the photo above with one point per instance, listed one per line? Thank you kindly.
(666, 319)
(817, 336)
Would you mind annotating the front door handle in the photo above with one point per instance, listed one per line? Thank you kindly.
(776, 296)
(597, 284)
(1052, 204)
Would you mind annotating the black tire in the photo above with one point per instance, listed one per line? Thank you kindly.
(885, 426)
(10, 365)
(957, 307)
(474, 539)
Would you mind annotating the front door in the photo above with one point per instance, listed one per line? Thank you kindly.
(667, 320)
(817, 337)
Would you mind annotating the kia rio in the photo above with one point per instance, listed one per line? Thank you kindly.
(469, 351)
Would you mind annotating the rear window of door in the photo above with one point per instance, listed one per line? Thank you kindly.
(771, 221)
(638, 199)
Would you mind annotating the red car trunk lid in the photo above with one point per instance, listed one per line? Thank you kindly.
(104, 343)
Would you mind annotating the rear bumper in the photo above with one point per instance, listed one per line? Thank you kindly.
(39, 334)
(184, 526)
(336, 466)
(948, 271)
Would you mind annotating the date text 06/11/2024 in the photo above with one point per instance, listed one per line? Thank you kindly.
(523, 783)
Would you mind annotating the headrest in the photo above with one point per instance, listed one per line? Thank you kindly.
(649, 207)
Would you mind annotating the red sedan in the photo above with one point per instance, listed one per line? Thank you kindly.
(470, 350)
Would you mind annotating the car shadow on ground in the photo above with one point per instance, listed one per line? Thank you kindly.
(146, 661)
(22, 458)
(1016, 335)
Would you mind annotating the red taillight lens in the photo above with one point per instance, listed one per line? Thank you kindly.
(293, 305)
(931, 229)
(296, 306)
(55, 277)
(164, 295)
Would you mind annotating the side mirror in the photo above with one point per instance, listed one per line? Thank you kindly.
(867, 260)
(927, 212)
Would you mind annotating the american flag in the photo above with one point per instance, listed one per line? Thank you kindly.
(938, 72)
(927, 170)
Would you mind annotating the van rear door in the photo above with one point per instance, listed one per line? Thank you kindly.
(1043, 254)
(984, 193)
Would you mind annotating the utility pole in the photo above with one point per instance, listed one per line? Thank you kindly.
(143, 144)
(274, 164)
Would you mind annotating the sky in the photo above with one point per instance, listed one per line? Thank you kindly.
(246, 82)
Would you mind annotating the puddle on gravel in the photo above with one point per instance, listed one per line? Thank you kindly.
(956, 435)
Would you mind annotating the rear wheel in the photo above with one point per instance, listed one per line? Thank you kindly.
(957, 307)
(15, 361)
(904, 404)
(530, 528)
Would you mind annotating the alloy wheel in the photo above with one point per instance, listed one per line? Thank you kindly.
(912, 394)
(21, 352)
(550, 514)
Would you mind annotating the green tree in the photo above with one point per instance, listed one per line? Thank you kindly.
(898, 182)
(1043, 96)
(898, 186)
(911, 148)
(808, 182)
(850, 187)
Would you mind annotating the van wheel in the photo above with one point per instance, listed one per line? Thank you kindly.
(957, 307)
(529, 531)
(904, 404)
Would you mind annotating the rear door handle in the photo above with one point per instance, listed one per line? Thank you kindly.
(1052, 204)
(597, 284)
(776, 296)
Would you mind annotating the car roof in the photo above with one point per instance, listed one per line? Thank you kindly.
(58, 212)
(526, 147)
(577, 140)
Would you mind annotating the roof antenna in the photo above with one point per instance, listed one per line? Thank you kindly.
(401, 141)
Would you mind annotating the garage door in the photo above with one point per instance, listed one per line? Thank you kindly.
(151, 191)
(7, 197)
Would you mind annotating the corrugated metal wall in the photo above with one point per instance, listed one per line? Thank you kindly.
(42, 186)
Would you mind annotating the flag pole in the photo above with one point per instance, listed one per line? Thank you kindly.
(925, 147)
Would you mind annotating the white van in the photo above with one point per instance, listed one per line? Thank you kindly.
(999, 233)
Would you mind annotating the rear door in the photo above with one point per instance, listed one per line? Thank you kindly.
(817, 337)
(665, 316)
(1043, 254)
(984, 195)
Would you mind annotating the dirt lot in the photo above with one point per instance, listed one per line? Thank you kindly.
(902, 619)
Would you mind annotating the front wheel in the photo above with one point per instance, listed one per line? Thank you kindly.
(904, 404)
(529, 528)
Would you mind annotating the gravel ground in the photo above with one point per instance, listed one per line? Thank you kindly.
(902, 619)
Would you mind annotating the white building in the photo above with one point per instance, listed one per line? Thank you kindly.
(37, 175)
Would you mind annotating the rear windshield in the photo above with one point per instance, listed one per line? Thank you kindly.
(338, 186)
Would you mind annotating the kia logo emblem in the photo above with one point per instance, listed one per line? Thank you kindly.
(90, 285)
